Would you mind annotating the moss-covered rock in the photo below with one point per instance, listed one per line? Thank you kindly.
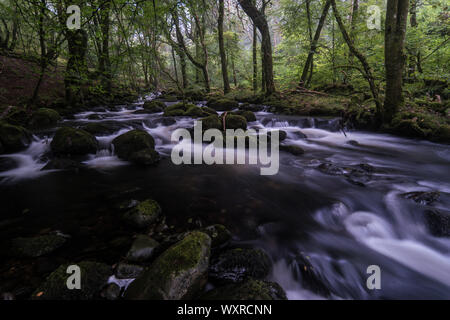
(223, 104)
(219, 235)
(154, 106)
(44, 118)
(136, 146)
(292, 149)
(185, 110)
(249, 290)
(93, 277)
(36, 246)
(13, 138)
(16, 116)
(211, 122)
(102, 128)
(239, 264)
(142, 249)
(235, 122)
(178, 273)
(144, 214)
(248, 115)
(194, 94)
(71, 141)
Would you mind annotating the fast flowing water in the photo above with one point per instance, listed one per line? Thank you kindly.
(341, 228)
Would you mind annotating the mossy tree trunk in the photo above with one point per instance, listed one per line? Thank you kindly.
(259, 19)
(394, 55)
(223, 56)
(76, 70)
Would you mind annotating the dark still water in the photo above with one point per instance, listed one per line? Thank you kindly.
(340, 206)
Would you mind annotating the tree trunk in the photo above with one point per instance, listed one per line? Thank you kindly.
(255, 59)
(258, 18)
(394, 55)
(76, 70)
(314, 41)
(104, 60)
(414, 59)
(367, 71)
(223, 56)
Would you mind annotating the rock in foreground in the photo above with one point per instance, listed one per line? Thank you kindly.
(71, 141)
(179, 273)
(249, 290)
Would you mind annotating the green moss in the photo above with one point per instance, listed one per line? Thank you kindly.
(13, 138)
(248, 115)
(17, 116)
(144, 214)
(154, 106)
(93, 277)
(235, 122)
(178, 273)
(132, 141)
(211, 122)
(223, 104)
(44, 118)
(71, 141)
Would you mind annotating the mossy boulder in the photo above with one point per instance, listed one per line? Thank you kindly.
(194, 94)
(144, 214)
(36, 246)
(94, 276)
(178, 273)
(248, 290)
(219, 234)
(248, 115)
(142, 249)
(185, 110)
(102, 128)
(233, 121)
(154, 106)
(239, 264)
(211, 122)
(292, 149)
(136, 146)
(16, 116)
(44, 118)
(223, 104)
(13, 138)
(71, 141)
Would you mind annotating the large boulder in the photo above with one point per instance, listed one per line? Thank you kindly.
(239, 264)
(128, 271)
(179, 273)
(93, 277)
(223, 104)
(71, 141)
(144, 214)
(16, 116)
(44, 118)
(292, 149)
(185, 110)
(211, 122)
(233, 121)
(13, 138)
(154, 106)
(136, 146)
(36, 246)
(249, 290)
(248, 115)
(102, 128)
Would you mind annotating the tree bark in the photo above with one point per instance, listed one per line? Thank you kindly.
(223, 56)
(104, 60)
(362, 59)
(312, 50)
(258, 18)
(394, 55)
